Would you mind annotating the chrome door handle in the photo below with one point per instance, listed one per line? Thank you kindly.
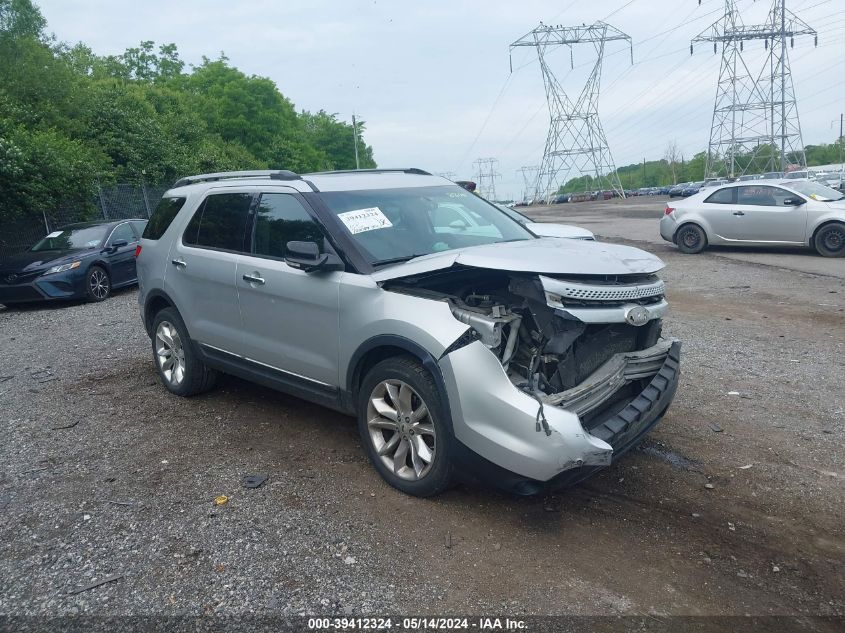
(254, 279)
(738, 213)
(179, 263)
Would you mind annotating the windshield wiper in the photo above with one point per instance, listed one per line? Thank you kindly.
(397, 260)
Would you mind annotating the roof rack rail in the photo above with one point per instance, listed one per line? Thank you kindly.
(273, 174)
(375, 170)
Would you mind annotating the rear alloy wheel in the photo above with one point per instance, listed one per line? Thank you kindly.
(178, 365)
(403, 427)
(98, 284)
(691, 239)
(830, 240)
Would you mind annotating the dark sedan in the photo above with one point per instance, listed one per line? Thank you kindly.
(692, 189)
(79, 261)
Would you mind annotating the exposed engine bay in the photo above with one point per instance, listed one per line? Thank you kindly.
(545, 350)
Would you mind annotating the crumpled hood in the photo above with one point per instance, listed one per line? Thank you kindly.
(551, 256)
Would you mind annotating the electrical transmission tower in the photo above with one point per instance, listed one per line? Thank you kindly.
(448, 175)
(576, 140)
(487, 174)
(755, 125)
(529, 180)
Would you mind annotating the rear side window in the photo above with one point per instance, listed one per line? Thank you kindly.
(279, 219)
(163, 215)
(220, 222)
(723, 196)
(122, 233)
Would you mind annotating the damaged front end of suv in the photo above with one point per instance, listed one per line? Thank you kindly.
(559, 373)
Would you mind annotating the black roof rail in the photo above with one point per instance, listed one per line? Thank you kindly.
(375, 170)
(273, 174)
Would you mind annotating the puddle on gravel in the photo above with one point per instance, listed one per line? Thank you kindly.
(676, 460)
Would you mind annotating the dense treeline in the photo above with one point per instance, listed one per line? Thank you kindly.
(70, 119)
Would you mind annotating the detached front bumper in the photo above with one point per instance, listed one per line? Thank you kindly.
(496, 424)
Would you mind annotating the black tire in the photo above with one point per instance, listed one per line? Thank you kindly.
(97, 284)
(691, 239)
(408, 370)
(830, 240)
(197, 377)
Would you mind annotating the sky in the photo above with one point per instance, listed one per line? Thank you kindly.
(433, 79)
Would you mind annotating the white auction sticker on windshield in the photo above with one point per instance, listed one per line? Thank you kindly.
(364, 220)
(55, 234)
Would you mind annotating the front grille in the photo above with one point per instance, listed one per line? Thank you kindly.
(15, 278)
(589, 292)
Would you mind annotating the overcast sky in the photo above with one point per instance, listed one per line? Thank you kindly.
(432, 78)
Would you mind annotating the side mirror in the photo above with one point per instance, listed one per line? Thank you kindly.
(306, 256)
(112, 248)
(793, 202)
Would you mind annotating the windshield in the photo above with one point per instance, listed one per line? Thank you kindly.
(815, 190)
(72, 239)
(393, 225)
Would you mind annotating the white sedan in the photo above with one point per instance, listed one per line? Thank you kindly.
(549, 229)
(759, 213)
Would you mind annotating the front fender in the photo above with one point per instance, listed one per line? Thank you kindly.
(370, 315)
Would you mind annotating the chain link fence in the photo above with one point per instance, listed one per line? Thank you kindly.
(114, 202)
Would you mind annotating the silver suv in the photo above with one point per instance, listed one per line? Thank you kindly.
(482, 352)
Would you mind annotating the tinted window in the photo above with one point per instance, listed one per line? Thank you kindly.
(279, 219)
(723, 196)
(138, 225)
(163, 215)
(761, 195)
(122, 232)
(220, 222)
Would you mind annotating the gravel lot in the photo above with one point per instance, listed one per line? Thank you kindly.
(735, 504)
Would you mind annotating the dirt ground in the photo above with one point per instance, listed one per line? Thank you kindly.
(734, 505)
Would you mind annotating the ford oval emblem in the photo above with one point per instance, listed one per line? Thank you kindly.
(11, 278)
(637, 316)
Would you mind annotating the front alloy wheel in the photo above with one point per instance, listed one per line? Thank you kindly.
(170, 355)
(99, 285)
(405, 427)
(400, 429)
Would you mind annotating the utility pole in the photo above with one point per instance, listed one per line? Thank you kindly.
(576, 140)
(355, 140)
(755, 116)
(643, 171)
(840, 141)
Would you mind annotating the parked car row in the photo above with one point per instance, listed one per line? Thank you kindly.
(777, 212)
